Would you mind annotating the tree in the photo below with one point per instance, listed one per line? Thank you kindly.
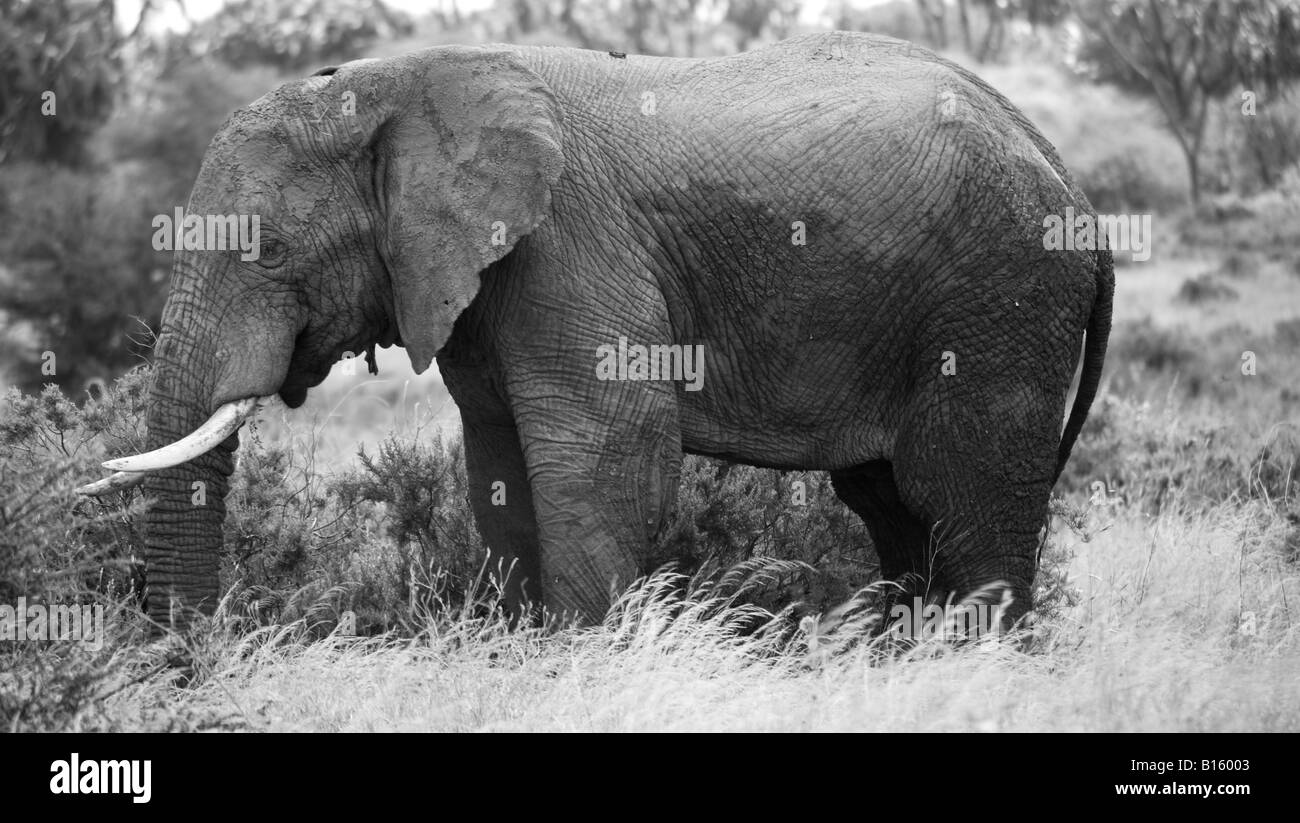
(78, 270)
(933, 17)
(297, 34)
(997, 14)
(1189, 53)
(752, 17)
(59, 72)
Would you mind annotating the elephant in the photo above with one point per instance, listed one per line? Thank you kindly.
(843, 230)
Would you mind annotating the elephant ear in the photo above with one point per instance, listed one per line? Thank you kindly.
(464, 169)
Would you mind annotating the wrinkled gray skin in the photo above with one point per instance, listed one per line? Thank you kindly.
(922, 191)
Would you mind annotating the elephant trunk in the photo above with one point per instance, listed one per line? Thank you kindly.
(213, 363)
(183, 526)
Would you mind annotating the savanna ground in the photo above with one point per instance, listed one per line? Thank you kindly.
(1168, 592)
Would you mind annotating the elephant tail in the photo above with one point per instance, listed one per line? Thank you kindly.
(1094, 355)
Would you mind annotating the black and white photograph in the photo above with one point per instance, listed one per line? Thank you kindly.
(650, 366)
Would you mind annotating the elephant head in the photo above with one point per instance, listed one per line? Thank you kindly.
(382, 189)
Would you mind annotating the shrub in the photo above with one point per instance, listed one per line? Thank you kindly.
(1265, 224)
(1204, 288)
(1287, 332)
(1268, 143)
(81, 272)
(1275, 470)
(1054, 589)
(1121, 183)
(391, 539)
(56, 549)
(1154, 458)
(53, 544)
(422, 491)
(389, 542)
(1151, 348)
(1240, 265)
(728, 514)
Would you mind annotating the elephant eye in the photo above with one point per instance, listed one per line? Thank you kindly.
(272, 252)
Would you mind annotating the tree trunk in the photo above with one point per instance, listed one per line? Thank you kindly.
(963, 16)
(992, 36)
(1193, 173)
(932, 16)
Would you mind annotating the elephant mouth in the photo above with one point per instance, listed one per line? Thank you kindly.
(131, 471)
(293, 394)
(225, 421)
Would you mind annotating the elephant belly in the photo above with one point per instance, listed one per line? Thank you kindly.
(784, 442)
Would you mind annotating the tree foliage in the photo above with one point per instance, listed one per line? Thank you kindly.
(1188, 53)
(60, 68)
(296, 34)
(79, 275)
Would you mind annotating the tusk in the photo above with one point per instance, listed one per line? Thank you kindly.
(112, 483)
(219, 426)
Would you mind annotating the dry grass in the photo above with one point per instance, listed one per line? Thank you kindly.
(1161, 639)
(1268, 292)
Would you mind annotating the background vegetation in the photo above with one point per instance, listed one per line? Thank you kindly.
(1170, 567)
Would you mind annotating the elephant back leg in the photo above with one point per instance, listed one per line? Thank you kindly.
(899, 536)
(976, 464)
(975, 450)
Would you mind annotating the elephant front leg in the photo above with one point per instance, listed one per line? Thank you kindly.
(503, 508)
(602, 490)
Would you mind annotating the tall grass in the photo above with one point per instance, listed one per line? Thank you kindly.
(1186, 622)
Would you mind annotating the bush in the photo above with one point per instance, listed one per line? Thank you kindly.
(1204, 288)
(1151, 348)
(1140, 455)
(421, 493)
(728, 514)
(54, 545)
(1123, 184)
(1264, 225)
(82, 274)
(59, 550)
(1267, 144)
(391, 542)
(1240, 265)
